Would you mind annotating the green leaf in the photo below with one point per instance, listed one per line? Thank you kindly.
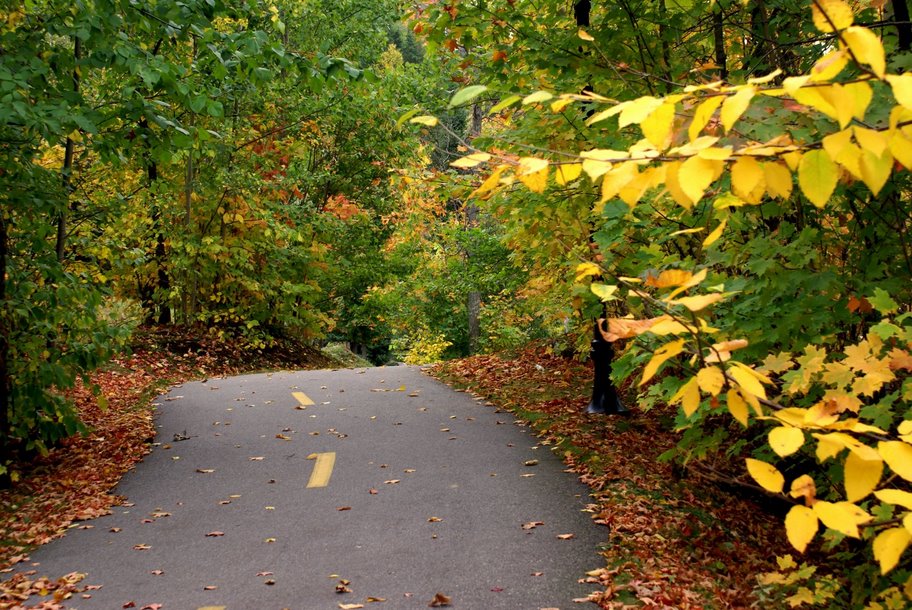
(504, 103)
(883, 302)
(466, 95)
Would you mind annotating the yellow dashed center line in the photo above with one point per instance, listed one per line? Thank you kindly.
(303, 399)
(322, 469)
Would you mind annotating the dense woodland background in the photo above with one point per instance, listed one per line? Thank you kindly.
(266, 170)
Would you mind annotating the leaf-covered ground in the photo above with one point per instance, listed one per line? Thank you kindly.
(674, 540)
(74, 482)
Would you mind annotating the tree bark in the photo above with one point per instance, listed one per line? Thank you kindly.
(68, 166)
(719, 42)
(903, 27)
(5, 405)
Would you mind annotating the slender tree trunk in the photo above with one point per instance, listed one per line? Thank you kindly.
(903, 27)
(666, 50)
(719, 41)
(5, 404)
(67, 166)
(473, 299)
(164, 282)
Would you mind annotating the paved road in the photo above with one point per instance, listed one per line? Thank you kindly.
(389, 486)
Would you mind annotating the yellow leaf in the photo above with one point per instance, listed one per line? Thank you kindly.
(817, 177)
(636, 110)
(778, 180)
(895, 496)
(860, 95)
(689, 397)
(716, 234)
(733, 107)
(861, 477)
(746, 174)
(537, 98)
(657, 126)
(871, 139)
(737, 407)
(812, 97)
(786, 440)
(695, 175)
(669, 350)
(841, 102)
(844, 517)
(867, 48)
(836, 142)
(711, 380)
(669, 278)
(696, 303)
(836, 15)
(674, 186)
(532, 165)
(829, 66)
(632, 190)
(595, 168)
(536, 182)
(801, 526)
(902, 88)
(901, 147)
(898, 456)
(876, 169)
(560, 104)
(429, 121)
(889, 546)
(804, 487)
(702, 115)
(715, 153)
(491, 182)
(747, 382)
(584, 270)
(618, 178)
(471, 160)
(584, 35)
(567, 173)
(766, 475)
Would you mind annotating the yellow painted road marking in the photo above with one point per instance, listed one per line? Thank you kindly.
(303, 399)
(322, 469)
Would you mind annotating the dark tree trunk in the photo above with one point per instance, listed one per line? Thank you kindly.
(719, 42)
(903, 27)
(68, 166)
(5, 430)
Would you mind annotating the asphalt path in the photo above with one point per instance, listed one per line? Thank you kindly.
(317, 490)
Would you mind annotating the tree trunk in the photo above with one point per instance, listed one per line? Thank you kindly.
(5, 406)
(67, 166)
(903, 27)
(719, 42)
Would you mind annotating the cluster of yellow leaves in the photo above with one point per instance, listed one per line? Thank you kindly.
(684, 160)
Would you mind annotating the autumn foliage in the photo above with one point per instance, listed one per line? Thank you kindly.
(749, 243)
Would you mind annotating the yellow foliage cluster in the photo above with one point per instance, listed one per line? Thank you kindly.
(683, 158)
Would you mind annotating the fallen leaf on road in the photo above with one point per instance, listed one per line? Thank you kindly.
(129, 605)
(434, 520)
(141, 547)
(210, 588)
(264, 574)
(152, 607)
(215, 534)
(373, 491)
(283, 437)
(409, 470)
(371, 598)
(539, 574)
(392, 481)
(341, 508)
(270, 540)
(157, 572)
(269, 582)
(342, 588)
(530, 463)
(205, 470)
(114, 530)
(440, 600)
(531, 525)
(565, 536)
(528, 475)
(351, 606)
(497, 589)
